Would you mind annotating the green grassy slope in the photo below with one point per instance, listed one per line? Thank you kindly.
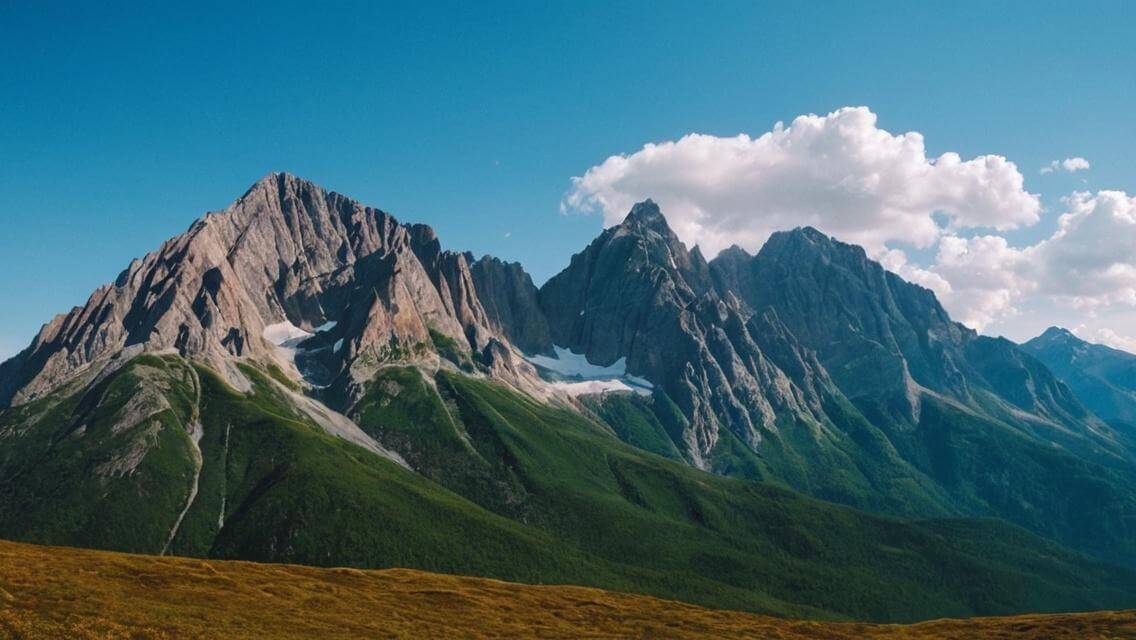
(636, 420)
(105, 467)
(507, 487)
(720, 539)
(953, 462)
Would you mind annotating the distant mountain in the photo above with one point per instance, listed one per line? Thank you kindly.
(301, 378)
(1102, 377)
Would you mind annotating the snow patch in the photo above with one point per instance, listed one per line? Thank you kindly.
(594, 386)
(571, 364)
(327, 326)
(286, 336)
(584, 378)
(338, 345)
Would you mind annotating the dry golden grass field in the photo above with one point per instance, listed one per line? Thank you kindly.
(54, 592)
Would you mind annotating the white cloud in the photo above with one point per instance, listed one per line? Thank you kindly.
(986, 276)
(839, 173)
(1091, 259)
(1072, 165)
(843, 174)
(1089, 263)
(1107, 337)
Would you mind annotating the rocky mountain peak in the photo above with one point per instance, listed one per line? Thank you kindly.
(808, 243)
(1058, 334)
(734, 253)
(287, 254)
(646, 214)
(509, 298)
(638, 293)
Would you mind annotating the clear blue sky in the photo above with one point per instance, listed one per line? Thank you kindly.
(120, 125)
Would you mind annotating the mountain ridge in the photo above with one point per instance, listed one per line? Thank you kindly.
(286, 251)
(347, 358)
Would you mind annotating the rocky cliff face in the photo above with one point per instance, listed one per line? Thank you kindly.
(751, 344)
(286, 253)
(888, 343)
(510, 301)
(637, 292)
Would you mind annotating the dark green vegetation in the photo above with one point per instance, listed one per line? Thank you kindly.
(639, 421)
(108, 467)
(449, 349)
(714, 540)
(508, 488)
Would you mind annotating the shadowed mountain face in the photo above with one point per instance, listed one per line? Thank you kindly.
(886, 341)
(510, 300)
(811, 365)
(636, 292)
(298, 352)
(1102, 377)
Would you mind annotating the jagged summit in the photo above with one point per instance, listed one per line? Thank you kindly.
(1103, 377)
(645, 213)
(810, 240)
(287, 253)
(810, 232)
(1058, 333)
(735, 252)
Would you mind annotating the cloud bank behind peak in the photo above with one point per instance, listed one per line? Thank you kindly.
(848, 177)
(840, 173)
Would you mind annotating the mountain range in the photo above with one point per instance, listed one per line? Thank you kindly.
(301, 378)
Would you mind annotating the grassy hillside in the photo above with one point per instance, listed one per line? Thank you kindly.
(52, 592)
(715, 540)
(506, 487)
(108, 467)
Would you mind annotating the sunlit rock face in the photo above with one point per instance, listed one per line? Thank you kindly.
(287, 251)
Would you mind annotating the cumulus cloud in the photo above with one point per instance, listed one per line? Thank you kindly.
(987, 276)
(844, 175)
(840, 173)
(1089, 263)
(1091, 260)
(1107, 337)
(1072, 165)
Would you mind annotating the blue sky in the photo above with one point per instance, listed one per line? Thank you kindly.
(119, 126)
